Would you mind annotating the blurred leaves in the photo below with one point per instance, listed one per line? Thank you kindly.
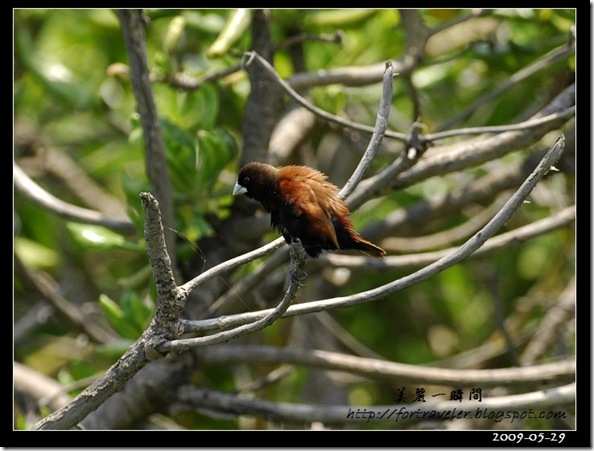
(71, 81)
(130, 317)
(235, 28)
(92, 237)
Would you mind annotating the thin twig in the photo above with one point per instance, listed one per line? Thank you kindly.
(50, 290)
(381, 124)
(250, 281)
(400, 174)
(517, 236)
(187, 83)
(530, 123)
(232, 264)
(298, 259)
(547, 333)
(335, 38)
(516, 78)
(249, 57)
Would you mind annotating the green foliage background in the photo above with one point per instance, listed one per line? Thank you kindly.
(72, 93)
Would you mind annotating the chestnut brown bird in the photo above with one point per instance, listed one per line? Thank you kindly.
(303, 205)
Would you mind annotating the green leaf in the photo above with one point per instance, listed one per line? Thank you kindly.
(238, 22)
(34, 254)
(181, 156)
(117, 318)
(94, 237)
(174, 34)
(210, 106)
(136, 311)
(339, 17)
(215, 151)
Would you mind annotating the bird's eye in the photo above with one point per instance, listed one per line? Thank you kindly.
(246, 180)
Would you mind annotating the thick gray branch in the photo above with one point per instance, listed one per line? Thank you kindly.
(164, 326)
(156, 162)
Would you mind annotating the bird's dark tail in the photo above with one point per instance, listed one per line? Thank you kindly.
(348, 238)
(367, 247)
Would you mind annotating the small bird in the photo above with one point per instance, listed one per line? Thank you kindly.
(304, 206)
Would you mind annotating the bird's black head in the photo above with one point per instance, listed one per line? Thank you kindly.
(258, 181)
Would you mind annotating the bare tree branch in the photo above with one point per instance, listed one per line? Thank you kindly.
(553, 373)
(560, 219)
(81, 184)
(49, 289)
(164, 326)
(45, 390)
(298, 259)
(530, 123)
(35, 193)
(548, 330)
(252, 56)
(264, 103)
(519, 76)
(467, 154)
(379, 130)
(187, 83)
(282, 411)
(156, 162)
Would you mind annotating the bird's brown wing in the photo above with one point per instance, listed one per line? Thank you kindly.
(309, 195)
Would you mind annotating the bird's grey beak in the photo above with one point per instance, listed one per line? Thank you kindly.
(238, 189)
